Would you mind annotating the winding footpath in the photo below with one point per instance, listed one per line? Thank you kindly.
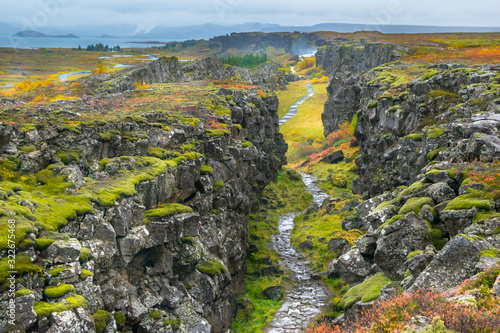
(293, 109)
(305, 301)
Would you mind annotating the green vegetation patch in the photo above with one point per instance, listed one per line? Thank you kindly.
(405, 192)
(22, 266)
(415, 136)
(366, 291)
(168, 210)
(85, 255)
(434, 132)
(24, 292)
(211, 267)
(218, 185)
(468, 201)
(50, 237)
(432, 155)
(101, 319)
(489, 253)
(207, 170)
(85, 274)
(120, 318)
(58, 291)
(44, 309)
(415, 205)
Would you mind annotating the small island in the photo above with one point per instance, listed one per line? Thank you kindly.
(37, 34)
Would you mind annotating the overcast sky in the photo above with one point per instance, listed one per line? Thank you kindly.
(148, 13)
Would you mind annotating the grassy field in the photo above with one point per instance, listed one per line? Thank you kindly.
(294, 91)
(306, 125)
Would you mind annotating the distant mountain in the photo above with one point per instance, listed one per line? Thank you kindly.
(388, 28)
(37, 34)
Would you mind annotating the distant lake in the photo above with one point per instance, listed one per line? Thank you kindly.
(41, 42)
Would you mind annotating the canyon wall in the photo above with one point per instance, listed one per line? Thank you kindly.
(143, 221)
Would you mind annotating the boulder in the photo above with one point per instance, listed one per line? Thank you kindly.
(306, 245)
(453, 264)
(399, 239)
(457, 220)
(274, 293)
(62, 251)
(335, 157)
(440, 192)
(337, 244)
(76, 321)
(352, 267)
(367, 245)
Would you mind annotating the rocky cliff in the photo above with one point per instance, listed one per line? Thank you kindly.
(428, 165)
(346, 65)
(134, 221)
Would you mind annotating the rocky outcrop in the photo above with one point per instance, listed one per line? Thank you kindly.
(153, 235)
(345, 65)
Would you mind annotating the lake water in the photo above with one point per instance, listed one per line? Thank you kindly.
(30, 43)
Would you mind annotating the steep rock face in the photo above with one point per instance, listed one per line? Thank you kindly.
(397, 127)
(159, 266)
(345, 65)
(257, 41)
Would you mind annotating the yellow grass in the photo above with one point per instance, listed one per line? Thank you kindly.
(306, 124)
(294, 91)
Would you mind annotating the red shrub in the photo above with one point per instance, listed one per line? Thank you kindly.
(393, 314)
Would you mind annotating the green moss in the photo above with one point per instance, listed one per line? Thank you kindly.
(218, 185)
(429, 74)
(155, 314)
(211, 267)
(28, 149)
(190, 146)
(415, 137)
(85, 274)
(366, 291)
(221, 110)
(489, 253)
(56, 271)
(120, 318)
(84, 255)
(162, 153)
(101, 319)
(434, 132)
(415, 205)
(22, 265)
(394, 108)
(168, 210)
(70, 303)
(24, 292)
(413, 254)
(390, 221)
(372, 104)
(58, 291)
(188, 240)
(434, 153)
(45, 241)
(486, 215)
(246, 144)
(217, 132)
(28, 127)
(174, 323)
(468, 201)
(207, 170)
(405, 192)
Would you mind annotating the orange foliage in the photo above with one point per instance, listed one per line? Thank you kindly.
(323, 79)
(39, 98)
(30, 85)
(344, 132)
(306, 63)
(395, 313)
(141, 85)
(100, 69)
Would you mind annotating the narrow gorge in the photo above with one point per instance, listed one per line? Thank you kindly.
(313, 194)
